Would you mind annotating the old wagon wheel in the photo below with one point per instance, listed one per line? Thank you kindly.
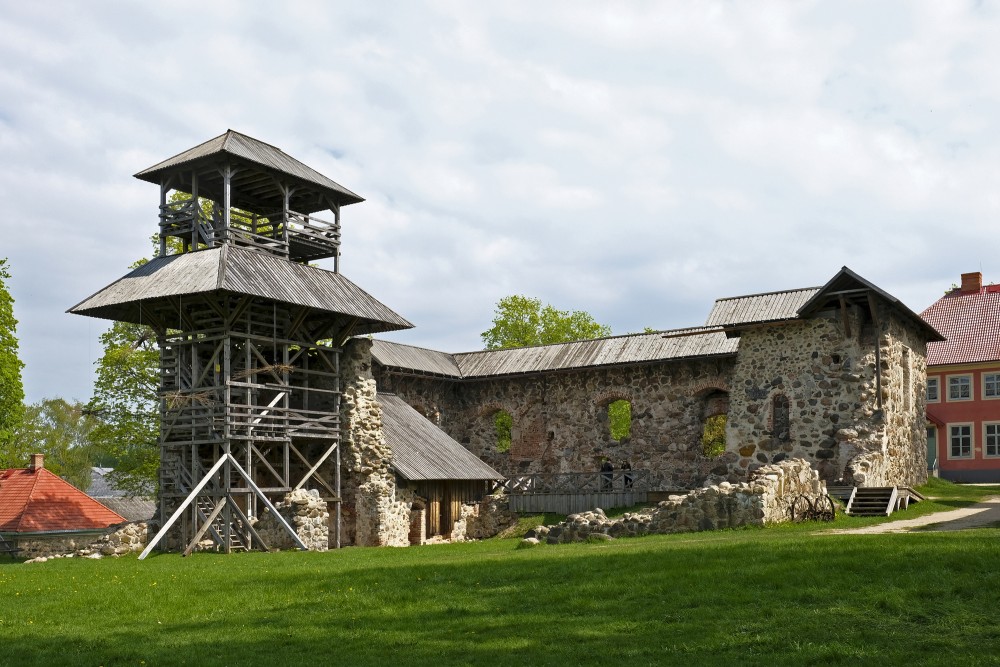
(825, 508)
(801, 508)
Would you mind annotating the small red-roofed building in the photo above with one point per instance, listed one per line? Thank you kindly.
(41, 511)
(963, 382)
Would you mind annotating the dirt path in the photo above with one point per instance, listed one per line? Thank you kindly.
(975, 516)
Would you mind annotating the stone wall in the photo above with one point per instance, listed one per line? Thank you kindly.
(306, 513)
(803, 389)
(899, 455)
(115, 541)
(483, 519)
(561, 419)
(764, 499)
(376, 512)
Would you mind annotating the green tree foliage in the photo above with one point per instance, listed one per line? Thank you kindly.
(620, 419)
(59, 430)
(11, 388)
(125, 403)
(521, 321)
(713, 436)
(504, 422)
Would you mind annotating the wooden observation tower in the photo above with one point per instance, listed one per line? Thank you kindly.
(249, 336)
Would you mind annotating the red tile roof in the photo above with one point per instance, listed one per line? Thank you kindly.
(970, 322)
(36, 501)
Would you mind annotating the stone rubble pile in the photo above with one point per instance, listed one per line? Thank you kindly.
(766, 498)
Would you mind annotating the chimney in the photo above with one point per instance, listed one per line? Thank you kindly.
(972, 283)
(37, 462)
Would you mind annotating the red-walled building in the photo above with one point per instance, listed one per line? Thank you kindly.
(963, 382)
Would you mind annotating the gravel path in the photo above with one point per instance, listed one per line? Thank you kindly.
(975, 516)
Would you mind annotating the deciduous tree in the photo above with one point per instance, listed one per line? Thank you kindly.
(125, 405)
(11, 387)
(521, 321)
(59, 430)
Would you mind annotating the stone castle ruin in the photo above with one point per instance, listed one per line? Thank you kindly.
(282, 424)
(833, 375)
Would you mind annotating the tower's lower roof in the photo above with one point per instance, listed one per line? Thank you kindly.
(235, 270)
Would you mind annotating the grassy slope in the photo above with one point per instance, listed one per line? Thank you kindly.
(773, 596)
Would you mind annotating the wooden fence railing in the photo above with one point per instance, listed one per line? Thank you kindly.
(576, 482)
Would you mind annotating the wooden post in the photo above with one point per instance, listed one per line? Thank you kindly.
(163, 202)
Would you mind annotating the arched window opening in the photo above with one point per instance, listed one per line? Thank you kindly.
(780, 418)
(620, 420)
(503, 422)
(713, 436)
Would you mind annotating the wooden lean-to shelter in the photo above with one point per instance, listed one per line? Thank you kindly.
(249, 336)
(442, 473)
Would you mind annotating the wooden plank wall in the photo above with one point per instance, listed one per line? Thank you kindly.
(571, 503)
(444, 502)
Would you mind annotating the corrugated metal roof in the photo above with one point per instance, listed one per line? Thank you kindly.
(255, 151)
(753, 308)
(614, 350)
(422, 451)
(240, 271)
(971, 324)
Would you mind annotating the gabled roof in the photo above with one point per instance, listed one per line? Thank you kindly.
(242, 150)
(971, 324)
(240, 271)
(609, 351)
(38, 501)
(754, 309)
(422, 451)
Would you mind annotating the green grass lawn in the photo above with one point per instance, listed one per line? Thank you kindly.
(757, 596)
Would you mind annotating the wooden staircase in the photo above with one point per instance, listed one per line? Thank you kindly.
(873, 501)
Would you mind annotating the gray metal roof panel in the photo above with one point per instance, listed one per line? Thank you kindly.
(422, 451)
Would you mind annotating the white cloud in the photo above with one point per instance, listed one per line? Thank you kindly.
(633, 160)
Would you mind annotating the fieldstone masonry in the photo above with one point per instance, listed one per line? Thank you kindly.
(806, 388)
(376, 511)
(483, 519)
(764, 499)
(306, 513)
(561, 420)
(116, 541)
(828, 382)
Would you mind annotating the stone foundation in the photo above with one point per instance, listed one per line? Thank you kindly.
(116, 541)
(765, 498)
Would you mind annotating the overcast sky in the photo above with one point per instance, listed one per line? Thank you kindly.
(634, 160)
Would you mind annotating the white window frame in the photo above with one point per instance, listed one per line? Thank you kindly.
(987, 426)
(996, 386)
(972, 441)
(937, 385)
(972, 388)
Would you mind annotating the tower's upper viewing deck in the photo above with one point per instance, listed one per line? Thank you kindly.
(236, 189)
